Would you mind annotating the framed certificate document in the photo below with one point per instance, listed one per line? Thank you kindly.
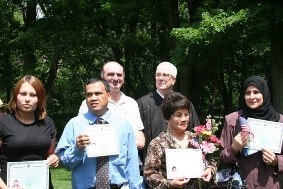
(103, 140)
(265, 134)
(28, 174)
(184, 162)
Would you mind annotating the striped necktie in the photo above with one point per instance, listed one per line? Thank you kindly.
(102, 166)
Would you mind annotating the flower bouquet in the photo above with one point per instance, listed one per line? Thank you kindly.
(205, 138)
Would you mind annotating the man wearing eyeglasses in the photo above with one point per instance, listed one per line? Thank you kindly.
(150, 105)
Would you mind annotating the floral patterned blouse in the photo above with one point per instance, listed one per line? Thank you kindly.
(155, 163)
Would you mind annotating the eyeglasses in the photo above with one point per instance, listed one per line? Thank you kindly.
(164, 75)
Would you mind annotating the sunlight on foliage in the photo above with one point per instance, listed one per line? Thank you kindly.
(210, 26)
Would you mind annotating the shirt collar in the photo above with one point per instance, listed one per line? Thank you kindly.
(159, 93)
(92, 117)
(121, 101)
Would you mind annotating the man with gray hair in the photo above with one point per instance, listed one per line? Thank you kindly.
(150, 104)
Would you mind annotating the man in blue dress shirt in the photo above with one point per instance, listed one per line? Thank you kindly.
(123, 168)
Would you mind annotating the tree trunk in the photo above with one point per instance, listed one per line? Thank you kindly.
(191, 82)
(192, 6)
(277, 76)
(29, 58)
(172, 13)
(52, 74)
(7, 76)
(190, 79)
(276, 66)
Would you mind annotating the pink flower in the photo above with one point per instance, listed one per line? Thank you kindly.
(208, 124)
(193, 144)
(214, 139)
(205, 138)
(208, 147)
(199, 129)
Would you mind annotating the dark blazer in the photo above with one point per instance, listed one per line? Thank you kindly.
(152, 118)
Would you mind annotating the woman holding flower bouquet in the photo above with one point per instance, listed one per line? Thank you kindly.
(259, 169)
(175, 109)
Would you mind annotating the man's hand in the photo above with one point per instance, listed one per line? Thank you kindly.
(82, 141)
(53, 160)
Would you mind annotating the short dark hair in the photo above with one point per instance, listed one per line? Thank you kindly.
(103, 81)
(173, 102)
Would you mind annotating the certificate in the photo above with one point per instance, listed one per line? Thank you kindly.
(265, 134)
(28, 174)
(184, 162)
(103, 140)
(129, 115)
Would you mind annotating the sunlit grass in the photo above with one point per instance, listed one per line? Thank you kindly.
(61, 178)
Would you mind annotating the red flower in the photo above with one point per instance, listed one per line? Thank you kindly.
(214, 139)
(205, 138)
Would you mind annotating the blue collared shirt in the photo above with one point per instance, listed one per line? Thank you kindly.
(123, 168)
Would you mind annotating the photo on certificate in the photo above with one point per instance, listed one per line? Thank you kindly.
(104, 140)
(184, 162)
(28, 174)
(265, 134)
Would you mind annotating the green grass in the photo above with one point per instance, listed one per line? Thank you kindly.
(61, 178)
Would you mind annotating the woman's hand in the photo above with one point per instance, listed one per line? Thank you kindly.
(53, 160)
(207, 174)
(179, 182)
(269, 157)
(240, 140)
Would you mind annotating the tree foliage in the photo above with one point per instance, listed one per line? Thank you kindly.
(215, 45)
(224, 46)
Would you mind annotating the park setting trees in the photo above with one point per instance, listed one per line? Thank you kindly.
(214, 44)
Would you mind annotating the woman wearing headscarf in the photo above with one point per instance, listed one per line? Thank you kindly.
(260, 169)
